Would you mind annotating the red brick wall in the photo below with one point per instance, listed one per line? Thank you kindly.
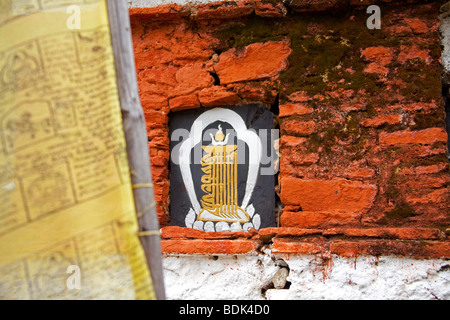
(363, 166)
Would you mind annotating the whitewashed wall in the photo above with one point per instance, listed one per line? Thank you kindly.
(249, 277)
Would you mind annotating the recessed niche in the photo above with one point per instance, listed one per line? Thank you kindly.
(221, 168)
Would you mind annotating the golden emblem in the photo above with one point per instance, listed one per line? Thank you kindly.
(219, 182)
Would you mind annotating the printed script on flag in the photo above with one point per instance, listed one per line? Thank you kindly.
(68, 227)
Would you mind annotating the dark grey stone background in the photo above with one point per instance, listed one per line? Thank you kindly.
(263, 197)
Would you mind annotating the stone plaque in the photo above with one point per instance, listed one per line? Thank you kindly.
(221, 168)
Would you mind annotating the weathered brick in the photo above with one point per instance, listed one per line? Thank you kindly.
(287, 232)
(256, 61)
(413, 52)
(227, 10)
(326, 195)
(197, 246)
(291, 141)
(431, 249)
(318, 219)
(378, 57)
(161, 12)
(267, 9)
(184, 102)
(217, 96)
(289, 246)
(359, 173)
(291, 108)
(389, 233)
(426, 136)
(434, 197)
(383, 119)
(316, 5)
(417, 25)
(298, 127)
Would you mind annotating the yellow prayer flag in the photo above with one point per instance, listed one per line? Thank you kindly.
(68, 227)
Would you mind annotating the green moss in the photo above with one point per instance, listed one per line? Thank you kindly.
(325, 46)
(392, 192)
(401, 211)
(241, 34)
(349, 131)
(422, 81)
(370, 111)
(429, 120)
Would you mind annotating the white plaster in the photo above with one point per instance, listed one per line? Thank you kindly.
(201, 277)
(445, 40)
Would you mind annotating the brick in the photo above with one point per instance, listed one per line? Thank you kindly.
(434, 197)
(287, 232)
(362, 2)
(302, 159)
(378, 57)
(190, 78)
(267, 9)
(413, 52)
(375, 67)
(298, 127)
(353, 107)
(156, 119)
(164, 76)
(226, 10)
(415, 249)
(256, 61)
(389, 233)
(184, 102)
(155, 134)
(417, 25)
(426, 136)
(359, 173)
(299, 96)
(434, 168)
(159, 161)
(161, 12)
(217, 96)
(251, 93)
(289, 246)
(316, 219)
(161, 188)
(327, 195)
(153, 102)
(159, 142)
(208, 247)
(291, 142)
(381, 120)
(316, 5)
(379, 54)
(416, 106)
(294, 108)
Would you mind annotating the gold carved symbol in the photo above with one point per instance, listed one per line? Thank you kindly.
(219, 182)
